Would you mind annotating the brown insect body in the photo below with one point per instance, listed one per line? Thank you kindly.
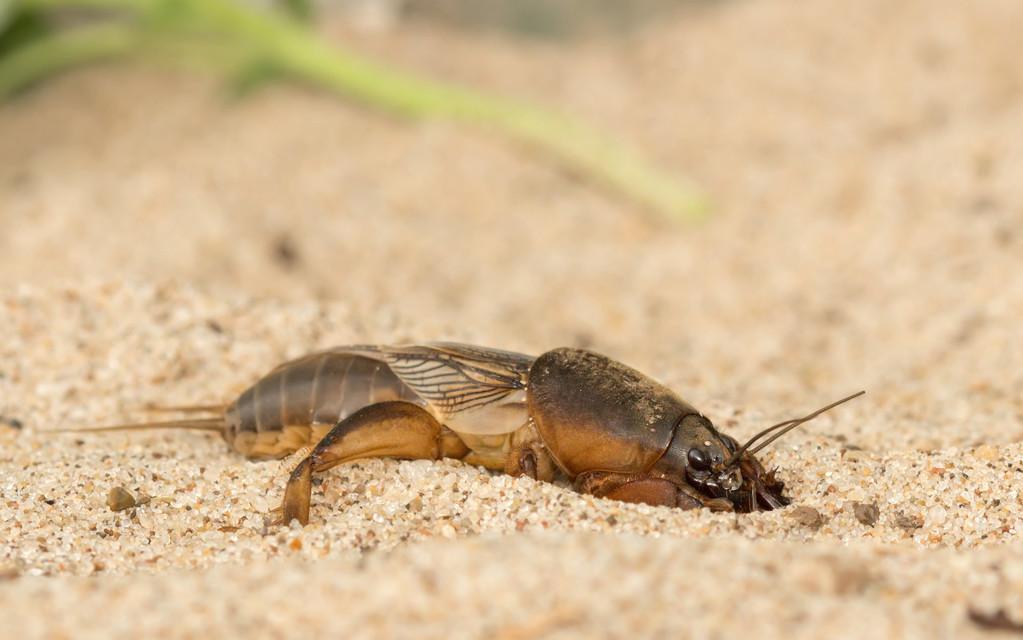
(595, 414)
(610, 429)
(300, 401)
(604, 421)
(478, 392)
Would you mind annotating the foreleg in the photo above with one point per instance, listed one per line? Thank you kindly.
(646, 489)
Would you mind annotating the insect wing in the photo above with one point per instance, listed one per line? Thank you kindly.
(470, 389)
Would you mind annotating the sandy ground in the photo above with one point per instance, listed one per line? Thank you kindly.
(160, 245)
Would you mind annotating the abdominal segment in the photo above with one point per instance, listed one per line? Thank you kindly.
(297, 403)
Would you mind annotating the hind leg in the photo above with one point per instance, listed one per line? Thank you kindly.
(383, 430)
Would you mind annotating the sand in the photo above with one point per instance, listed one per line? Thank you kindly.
(162, 246)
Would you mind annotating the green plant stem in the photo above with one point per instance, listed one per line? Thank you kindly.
(292, 50)
(53, 54)
(578, 146)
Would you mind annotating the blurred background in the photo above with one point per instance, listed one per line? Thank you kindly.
(757, 201)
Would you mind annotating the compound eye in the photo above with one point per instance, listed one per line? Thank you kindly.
(698, 459)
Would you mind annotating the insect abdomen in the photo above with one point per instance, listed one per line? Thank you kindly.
(299, 401)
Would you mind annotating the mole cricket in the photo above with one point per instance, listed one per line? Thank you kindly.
(612, 431)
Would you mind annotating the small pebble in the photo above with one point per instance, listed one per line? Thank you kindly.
(936, 515)
(119, 499)
(986, 452)
(908, 521)
(13, 423)
(807, 516)
(997, 621)
(866, 512)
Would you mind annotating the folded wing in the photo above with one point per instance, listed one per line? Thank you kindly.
(470, 389)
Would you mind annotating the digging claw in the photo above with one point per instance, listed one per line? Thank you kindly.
(297, 495)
